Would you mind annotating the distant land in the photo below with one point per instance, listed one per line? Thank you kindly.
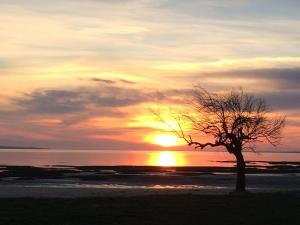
(18, 147)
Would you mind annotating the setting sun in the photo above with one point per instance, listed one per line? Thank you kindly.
(164, 139)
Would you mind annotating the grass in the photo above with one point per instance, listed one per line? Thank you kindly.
(252, 209)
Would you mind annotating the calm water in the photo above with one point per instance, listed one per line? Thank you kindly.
(112, 180)
(131, 158)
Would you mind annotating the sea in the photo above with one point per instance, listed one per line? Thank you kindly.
(56, 157)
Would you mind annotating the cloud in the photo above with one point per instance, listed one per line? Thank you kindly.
(106, 97)
(127, 81)
(52, 101)
(179, 31)
(110, 81)
(283, 100)
(96, 117)
(281, 77)
(106, 81)
(79, 99)
(109, 98)
(228, 65)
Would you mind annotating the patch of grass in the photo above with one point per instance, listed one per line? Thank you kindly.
(252, 209)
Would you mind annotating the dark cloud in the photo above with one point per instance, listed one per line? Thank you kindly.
(283, 100)
(81, 99)
(106, 81)
(284, 82)
(53, 101)
(126, 81)
(282, 78)
(108, 99)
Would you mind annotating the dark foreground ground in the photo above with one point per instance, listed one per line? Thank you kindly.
(252, 209)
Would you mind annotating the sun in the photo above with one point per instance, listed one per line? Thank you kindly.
(166, 140)
(166, 158)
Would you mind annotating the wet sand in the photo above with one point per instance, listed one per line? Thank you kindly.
(103, 181)
(50, 192)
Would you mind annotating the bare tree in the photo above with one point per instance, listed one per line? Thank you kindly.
(235, 121)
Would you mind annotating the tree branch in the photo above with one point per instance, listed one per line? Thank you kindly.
(201, 145)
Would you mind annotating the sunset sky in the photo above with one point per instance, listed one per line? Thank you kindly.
(84, 74)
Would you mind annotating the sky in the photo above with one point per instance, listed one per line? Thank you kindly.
(85, 74)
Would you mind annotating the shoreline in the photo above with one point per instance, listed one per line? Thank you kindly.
(91, 192)
(74, 193)
(78, 193)
(101, 181)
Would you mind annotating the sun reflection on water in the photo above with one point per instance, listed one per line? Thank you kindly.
(166, 158)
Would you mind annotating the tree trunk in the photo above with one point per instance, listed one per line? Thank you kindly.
(240, 166)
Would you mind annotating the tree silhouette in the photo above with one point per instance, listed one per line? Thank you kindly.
(233, 120)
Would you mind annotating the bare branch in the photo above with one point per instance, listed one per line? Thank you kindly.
(235, 120)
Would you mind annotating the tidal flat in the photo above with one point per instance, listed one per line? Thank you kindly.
(63, 181)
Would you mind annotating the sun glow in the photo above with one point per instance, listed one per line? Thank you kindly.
(166, 159)
(166, 140)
